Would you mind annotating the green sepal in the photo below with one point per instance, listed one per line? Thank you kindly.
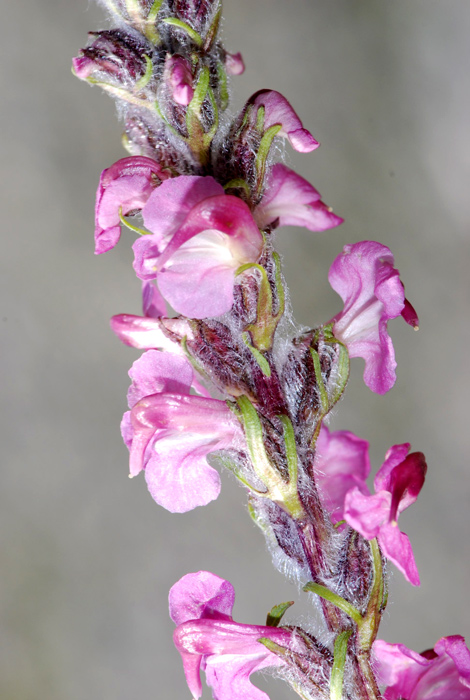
(150, 30)
(340, 603)
(276, 613)
(291, 450)
(213, 29)
(238, 183)
(279, 491)
(263, 151)
(262, 331)
(325, 403)
(174, 22)
(223, 90)
(275, 648)
(339, 660)
(130, 226)
(145, 79)
(377, 601)
(260, 359)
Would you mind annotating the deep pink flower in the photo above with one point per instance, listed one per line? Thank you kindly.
(126, 185)
(279, 111)
(208, 639)
(200, 237)
(439, 674)
(179, 79)
(364, 277)
(397, 485)
(341, 469)
(169, 433)
(294, 201)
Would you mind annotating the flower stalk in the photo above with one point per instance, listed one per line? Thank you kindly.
(224, 382)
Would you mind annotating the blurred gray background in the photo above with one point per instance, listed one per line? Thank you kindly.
(87, 557)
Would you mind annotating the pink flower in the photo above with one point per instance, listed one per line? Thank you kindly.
(294, 201)
(364, 277)
(169, 433)
(342, 467)
(180, 79)
(279, 111)
(207, 638)
(126, 185)
(439, 674)
(200, 237)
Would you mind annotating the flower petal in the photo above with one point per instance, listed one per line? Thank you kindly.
(396, 547)
(156, 372)
(279, 111)
(294, 201)
(366, 514)
(341, 462)
(200, 266)
(126, 185)
(201, 595)
(364, 276)
(169, 206)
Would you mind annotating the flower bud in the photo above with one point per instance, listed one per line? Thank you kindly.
(114, 55)
(194, 12)
(179, 79)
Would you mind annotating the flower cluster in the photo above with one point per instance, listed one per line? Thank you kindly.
(220, 383)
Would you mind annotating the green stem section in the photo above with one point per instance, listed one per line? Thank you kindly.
(337, 672)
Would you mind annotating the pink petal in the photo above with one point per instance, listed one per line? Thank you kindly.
(279, 111)
(230, 653)
(180, 79)
(407, 480)
(156, 372)
(177, 473)
(294, 201)
(396, 547)
(142, 333)
(398, 668)
(200, 266)
(366, 514)
(228, 215)
(455, 647)
(341, 463)
(171, 203)
(201, 595)
(188, 427)
(153, 304)
(393, 457)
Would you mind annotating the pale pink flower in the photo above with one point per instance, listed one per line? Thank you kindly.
(125, 187)
(169, 432)
(364, 277)
(209, 640)
(200, 236)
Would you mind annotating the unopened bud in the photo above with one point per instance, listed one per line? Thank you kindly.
(114, 55)
(179, 79)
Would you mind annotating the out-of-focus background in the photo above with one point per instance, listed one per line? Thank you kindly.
(87, 557)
